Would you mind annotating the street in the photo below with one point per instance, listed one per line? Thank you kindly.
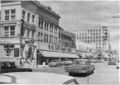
(104, 74)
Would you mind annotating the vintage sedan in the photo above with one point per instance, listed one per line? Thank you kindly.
(36, 78)
(55, 63)
(10, 66)
(111, 62)
(80, 66)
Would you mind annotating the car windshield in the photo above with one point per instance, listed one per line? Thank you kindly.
(56, 61)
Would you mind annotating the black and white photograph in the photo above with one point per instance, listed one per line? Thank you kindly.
(59, 42)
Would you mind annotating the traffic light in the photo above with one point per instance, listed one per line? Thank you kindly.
(8, 49)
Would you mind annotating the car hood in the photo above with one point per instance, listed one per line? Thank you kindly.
(35, 77)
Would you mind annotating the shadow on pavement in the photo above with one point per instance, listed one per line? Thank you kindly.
(80, 74)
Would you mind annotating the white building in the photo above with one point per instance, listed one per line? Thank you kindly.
(97, 35)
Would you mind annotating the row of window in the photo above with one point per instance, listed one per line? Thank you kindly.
(89, 41)
(28, 16)
(82, 37)
(11, 15)
(82, 34)
(48, 38)
(53, 47)
(99, 47)
(48, 26)
(9, 31)
(88, 30)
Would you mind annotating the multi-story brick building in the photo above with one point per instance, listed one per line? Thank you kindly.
(17, 39)
(29, 32)
(67, 41)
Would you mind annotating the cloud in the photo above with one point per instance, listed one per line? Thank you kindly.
(74, 14)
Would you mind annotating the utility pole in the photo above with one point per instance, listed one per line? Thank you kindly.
(21, 34)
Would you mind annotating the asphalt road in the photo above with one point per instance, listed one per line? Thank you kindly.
(104, 74)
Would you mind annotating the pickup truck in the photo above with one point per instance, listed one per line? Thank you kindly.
(10, 66)
(80, 66)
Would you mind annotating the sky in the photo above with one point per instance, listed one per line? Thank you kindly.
(75, 14)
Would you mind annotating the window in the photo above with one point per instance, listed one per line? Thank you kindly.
(44, 37)
(40, 22)
(33, 34)
(33, 17)
(23, 14)
(6, 14)
(28, 33)
(13, 14)
(51, 38)
(39, 34)
(6, 31)
(11, 46)
(12, 30)
(9, 31)
(28, 17)
(47, 26)
(47, 38)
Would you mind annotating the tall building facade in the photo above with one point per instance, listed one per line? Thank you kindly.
(97, 35)
(30, 33)
(67, 41)
(17, 39)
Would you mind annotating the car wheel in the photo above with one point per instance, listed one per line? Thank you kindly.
(92, 72)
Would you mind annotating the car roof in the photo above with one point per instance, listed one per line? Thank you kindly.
(37, 77)
(81, 60)
(6, 60)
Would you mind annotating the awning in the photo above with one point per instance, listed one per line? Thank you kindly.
(58, 54)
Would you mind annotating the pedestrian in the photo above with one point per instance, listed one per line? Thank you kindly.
(43, 64)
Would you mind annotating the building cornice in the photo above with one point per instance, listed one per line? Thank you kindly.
(46, 8)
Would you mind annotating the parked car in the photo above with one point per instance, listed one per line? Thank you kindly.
(10, 66)
(55, 63)
(68, 62)
(80, 66)
(111, 62)
(96, 61)
(36, 78)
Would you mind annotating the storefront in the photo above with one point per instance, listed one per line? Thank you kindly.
(48, 56)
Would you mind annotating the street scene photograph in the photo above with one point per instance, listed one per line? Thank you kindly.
(59, 42)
